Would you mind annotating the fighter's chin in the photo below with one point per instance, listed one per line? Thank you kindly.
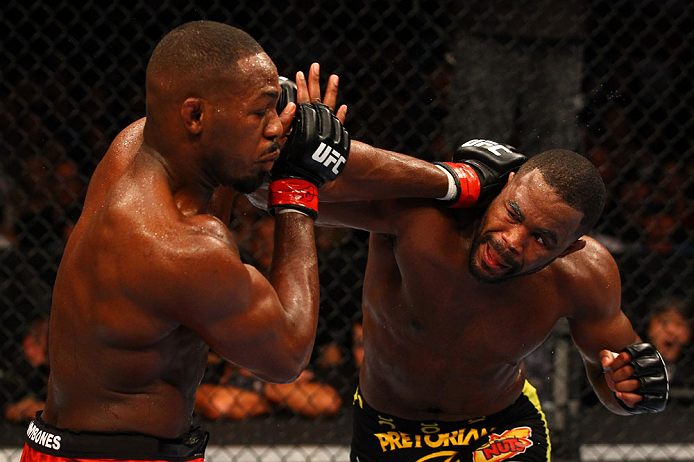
(486, 276)
(249, 184)
(482, 273)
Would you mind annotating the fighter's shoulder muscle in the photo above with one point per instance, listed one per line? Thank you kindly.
(174, 258)
(592, 281)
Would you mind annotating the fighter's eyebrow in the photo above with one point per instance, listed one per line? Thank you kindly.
(517, 210)
(270, 93)
(267, 94)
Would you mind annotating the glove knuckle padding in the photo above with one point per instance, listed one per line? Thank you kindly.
(650, 371)
(323, 114)
(492, 161)
(317, 148)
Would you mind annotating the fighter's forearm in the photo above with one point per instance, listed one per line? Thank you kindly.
(372, 173)
(294, 275)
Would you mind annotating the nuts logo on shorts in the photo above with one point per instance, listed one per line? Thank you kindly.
(505, 445)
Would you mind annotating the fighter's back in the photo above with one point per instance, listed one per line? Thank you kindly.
(118, 361)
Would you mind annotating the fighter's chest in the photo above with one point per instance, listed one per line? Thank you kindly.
(471, 325)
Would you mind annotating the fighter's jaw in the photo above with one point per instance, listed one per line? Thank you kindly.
(487, 268)
(483, 273)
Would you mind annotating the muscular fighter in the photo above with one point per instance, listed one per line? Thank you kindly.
(455, 298)
(151, 277)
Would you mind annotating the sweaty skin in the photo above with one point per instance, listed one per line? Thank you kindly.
(447, 324)
(439, 343)
(151, 276)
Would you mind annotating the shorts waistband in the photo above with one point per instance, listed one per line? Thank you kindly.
(519, 409)
(61, 442)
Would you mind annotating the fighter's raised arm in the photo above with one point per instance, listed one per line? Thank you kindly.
(478, 171)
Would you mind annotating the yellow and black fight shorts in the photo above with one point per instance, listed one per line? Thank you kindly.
(517, 433)
(46, 443)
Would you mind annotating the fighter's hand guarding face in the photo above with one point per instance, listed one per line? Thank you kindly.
(316, 146)
(310, 92)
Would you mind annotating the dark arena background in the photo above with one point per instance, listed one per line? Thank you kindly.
(611, 79)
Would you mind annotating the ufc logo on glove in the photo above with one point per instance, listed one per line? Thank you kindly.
(326, 155)
(491, 146)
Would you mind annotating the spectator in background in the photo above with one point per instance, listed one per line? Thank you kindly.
(225, 393)
(670, 331)
(234, 393)
(27, 383)
(305, 396)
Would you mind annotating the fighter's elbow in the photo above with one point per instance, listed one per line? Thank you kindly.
(287, 370)
(284, 375)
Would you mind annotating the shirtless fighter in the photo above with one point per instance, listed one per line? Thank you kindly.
(151, 276)
(455, 298)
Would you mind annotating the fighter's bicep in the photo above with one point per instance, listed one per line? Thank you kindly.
(253, 325)
(597, 321)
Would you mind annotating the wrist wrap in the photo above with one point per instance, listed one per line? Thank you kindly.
(467, 183)
(293, 193)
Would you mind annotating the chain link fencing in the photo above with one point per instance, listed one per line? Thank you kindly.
(610, 79)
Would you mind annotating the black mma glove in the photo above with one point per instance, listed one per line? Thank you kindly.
(650, 371)
(288, 94)
(315, 153)
(479, 170)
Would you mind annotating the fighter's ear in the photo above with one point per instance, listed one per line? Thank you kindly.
(192, 114)
(576, 245)
(510, 177)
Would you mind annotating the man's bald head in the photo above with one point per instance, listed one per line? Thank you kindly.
(194, 55)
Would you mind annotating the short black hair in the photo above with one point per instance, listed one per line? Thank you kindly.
(575, 179)
(201, 48)
(673, 302)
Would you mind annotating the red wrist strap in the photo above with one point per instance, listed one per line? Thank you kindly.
(469, 186)
(294, 193)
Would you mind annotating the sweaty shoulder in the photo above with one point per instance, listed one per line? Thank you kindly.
(129, 139)
(591, 278)
(171, 259)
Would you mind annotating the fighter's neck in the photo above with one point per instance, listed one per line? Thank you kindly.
(191, 188)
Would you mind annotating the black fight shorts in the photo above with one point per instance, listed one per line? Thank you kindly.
(517, 433)
(46, 443)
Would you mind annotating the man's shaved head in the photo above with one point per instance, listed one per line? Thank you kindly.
(198, 53)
